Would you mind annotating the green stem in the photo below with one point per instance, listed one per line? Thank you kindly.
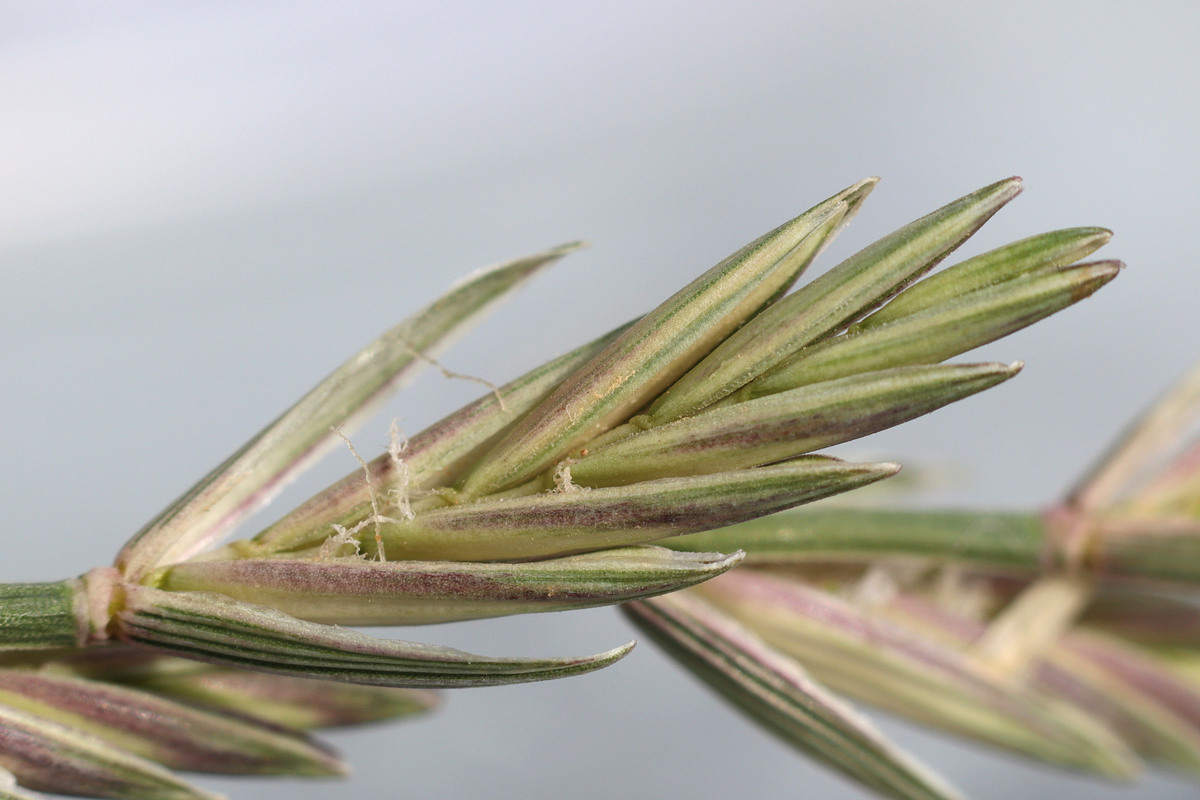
(1166, 550)
(1013, 543)
(1004, 541)
(36, 616)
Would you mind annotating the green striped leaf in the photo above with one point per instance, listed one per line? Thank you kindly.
(221, 630)
(941, 332)
(1047, 251)
(784, 425)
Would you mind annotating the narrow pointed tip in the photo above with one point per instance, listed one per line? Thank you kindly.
(836, 211)
(1001, 371)
(989, 374)
(569, 247)
(324, 763)
(339, 768)
(1095, 274)
(720, 563)
(1090, 239)
(616, 654)
(524, 267)
(993, 372)
(852, 197)
(1006, 189)
(976, 208)
(733, 559)
(858, 192)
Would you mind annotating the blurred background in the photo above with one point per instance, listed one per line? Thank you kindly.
(206, 207)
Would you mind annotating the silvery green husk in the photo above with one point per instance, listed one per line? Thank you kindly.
(553, 492)
(351, 591)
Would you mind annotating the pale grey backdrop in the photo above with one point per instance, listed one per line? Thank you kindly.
(204, 207)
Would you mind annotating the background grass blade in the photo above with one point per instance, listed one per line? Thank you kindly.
(774, 691)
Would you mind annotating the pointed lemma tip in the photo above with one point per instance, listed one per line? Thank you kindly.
(718, 563)
(1107, 271)
(518, 269)
(618, 653)
(569, 247)
(859, 191)
(534, 264)
(999, 192)
(1098, 273)
(540, 261)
